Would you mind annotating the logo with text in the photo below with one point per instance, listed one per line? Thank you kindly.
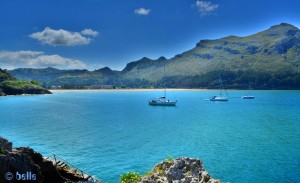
(20, 176)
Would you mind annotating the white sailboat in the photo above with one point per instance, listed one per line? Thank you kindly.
(162, 101)
(249, 96)
(220, 97)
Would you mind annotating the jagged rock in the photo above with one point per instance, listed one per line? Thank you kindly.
(180, 170)
(16, 166)
(5, 144)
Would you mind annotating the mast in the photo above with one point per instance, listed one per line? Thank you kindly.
(249, 88)
(165, 92)
(220, 84)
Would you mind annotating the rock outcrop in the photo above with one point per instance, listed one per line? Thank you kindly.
(2, 93)
(25, 165)
(180, 170)
(27, 90)
(9, 85)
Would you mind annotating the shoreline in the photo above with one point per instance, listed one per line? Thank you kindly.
(108, 90)
(152, 89)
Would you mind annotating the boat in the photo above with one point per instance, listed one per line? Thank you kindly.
(248, 96)
(220, 97)
(162, 101)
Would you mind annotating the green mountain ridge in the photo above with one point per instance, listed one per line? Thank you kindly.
(269, 60)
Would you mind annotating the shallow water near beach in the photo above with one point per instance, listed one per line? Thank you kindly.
(107, 133)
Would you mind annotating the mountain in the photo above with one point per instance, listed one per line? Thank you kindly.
(66, 78)
(269, 60)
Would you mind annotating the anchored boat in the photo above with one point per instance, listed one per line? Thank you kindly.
(220, 97)
(162, 101)
(248, 96)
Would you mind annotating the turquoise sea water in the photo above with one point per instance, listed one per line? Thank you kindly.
(107, 133)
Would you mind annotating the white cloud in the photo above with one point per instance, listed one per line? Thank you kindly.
(142, 11)
(34, 59)
(89, 32)
(62, 37)
(206, 7)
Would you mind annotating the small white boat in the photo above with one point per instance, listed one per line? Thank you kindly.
(220, 97)
(248, 96)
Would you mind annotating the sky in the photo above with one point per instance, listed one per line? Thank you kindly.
(91, 34)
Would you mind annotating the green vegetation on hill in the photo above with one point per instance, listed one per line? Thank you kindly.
(12, 86)
(21, 84)
(268, 60)
(5, 75)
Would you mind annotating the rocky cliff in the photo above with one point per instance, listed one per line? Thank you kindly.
(30, 89)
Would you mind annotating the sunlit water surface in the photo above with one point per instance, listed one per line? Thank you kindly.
(107, 133)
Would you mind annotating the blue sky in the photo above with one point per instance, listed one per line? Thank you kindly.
(90, 34)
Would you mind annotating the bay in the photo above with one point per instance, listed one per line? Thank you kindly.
(107, 133)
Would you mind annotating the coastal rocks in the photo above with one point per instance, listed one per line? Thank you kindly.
(180, 170)
(29, 166)
(5, 144)
(2, 93)
(27, 90)
(15, 166)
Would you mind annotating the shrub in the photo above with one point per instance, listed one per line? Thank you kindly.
(2, 151)
(130, 177)
(35, 82)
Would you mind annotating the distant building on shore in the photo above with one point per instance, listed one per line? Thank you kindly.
(56, 87)
(99, 87)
